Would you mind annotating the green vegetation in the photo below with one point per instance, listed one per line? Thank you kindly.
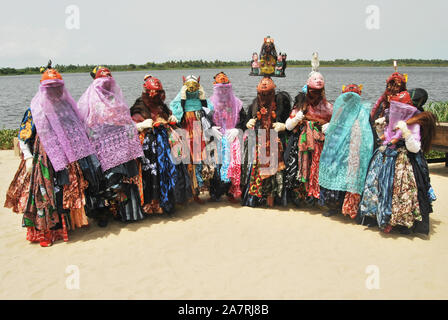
(200, 64)
(440, 109)
(433, 154)
(6, 138)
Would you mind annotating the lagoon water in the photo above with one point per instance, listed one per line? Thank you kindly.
(16, 92)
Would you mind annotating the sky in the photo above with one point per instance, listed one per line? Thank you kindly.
(124, 32)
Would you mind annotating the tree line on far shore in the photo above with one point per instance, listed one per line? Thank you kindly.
(201, 64)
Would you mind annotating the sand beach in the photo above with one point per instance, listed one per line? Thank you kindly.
(224, 251)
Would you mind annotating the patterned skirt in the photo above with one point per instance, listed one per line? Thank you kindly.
(52, 203)
(302, 162)
(347, 202)
(160, 174)
(392, 190)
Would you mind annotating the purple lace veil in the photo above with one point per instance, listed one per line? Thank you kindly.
(398, 111)
(226, 105)
(108, 123)
(58, 124)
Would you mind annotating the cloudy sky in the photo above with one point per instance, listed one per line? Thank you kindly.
(123, 32)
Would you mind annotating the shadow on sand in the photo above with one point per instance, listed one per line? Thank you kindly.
(191, 210)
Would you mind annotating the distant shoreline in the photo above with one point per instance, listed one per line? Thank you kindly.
(199, 64)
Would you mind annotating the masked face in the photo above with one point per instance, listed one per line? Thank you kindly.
(221, 78)
(353, 88)
(50, 74)
(192, 85)
(55, 93)
(223, 94)
(103, 73)
(316, 81)
(266, 84)
(394, 86)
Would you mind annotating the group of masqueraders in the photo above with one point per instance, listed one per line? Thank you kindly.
(100, 159)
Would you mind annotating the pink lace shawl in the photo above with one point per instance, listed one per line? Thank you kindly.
(59, 125)
(226, 106)
(109, 124)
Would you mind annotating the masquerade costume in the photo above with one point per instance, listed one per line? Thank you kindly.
(308, 122)
(397, 193)
(263, 178)
(229, 116)
(346, 154)
(49, 185)
(114, 136)
(190, 107)
(395, 85)
(270, 63)
(164, 182)
(268, 57)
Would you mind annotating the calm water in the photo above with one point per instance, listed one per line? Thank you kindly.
(17, 91)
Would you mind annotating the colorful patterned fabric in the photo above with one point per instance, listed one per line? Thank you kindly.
(234, 171)
(405, 205)
(386, 182)
(314, 189)
(167, 170)
(310, 146)
(27, 127)
(225, 158)
(41, 211)
(74, 198)
(370, 196)
(351, 204)
(255, 182)
(18, 192)
(195, 135)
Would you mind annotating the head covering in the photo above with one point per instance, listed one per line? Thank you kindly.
(191, 83)
(221, 78)
(49, 73)
(268, 47)
(395, 84)
(419, 97)
(100, 72)
(108, 123)
(266, 84)
(348, 145)
(396, 76)
(403, 97)
(226, 105)
(59, 125)
(352, 88)
(153, 87)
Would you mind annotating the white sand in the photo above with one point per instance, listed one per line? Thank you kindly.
(224, 251)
